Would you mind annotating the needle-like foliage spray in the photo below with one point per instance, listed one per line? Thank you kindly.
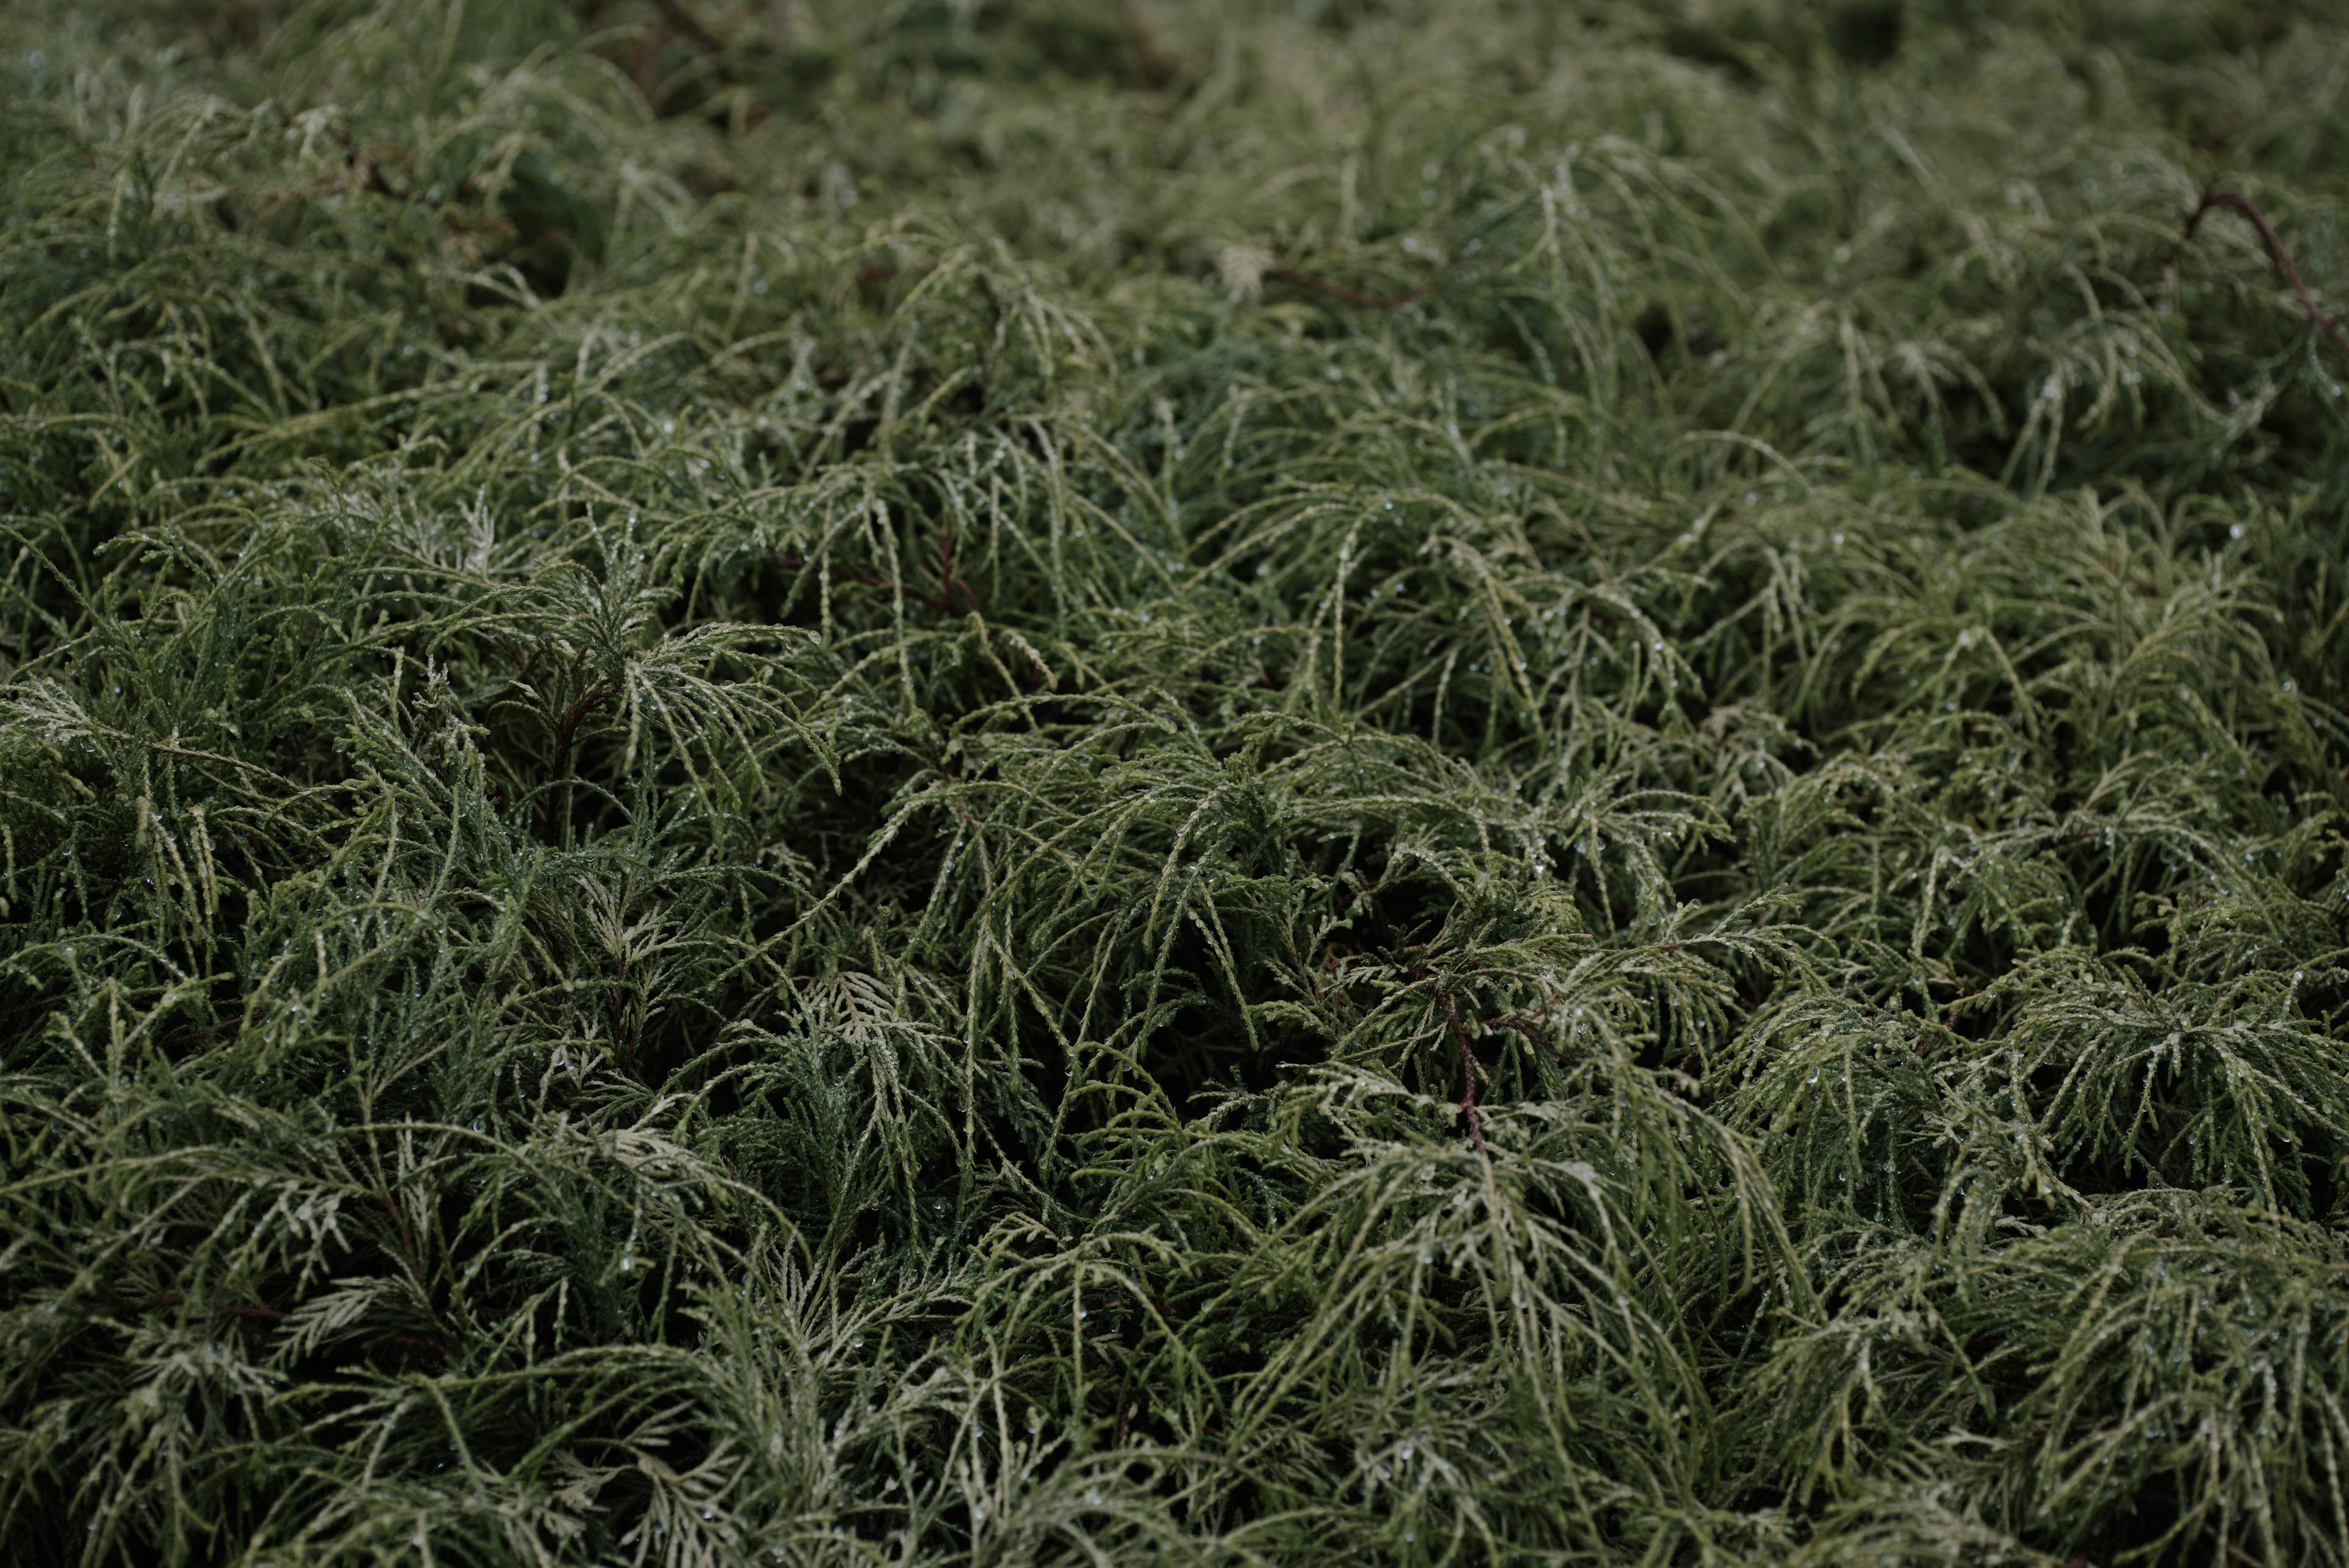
(1029, 782)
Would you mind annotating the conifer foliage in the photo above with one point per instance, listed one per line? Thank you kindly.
(1430, 782)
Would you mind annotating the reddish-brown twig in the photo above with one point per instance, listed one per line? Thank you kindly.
(1322, 993)
(424, 1343)
(1467, 1066)
(561, 772)
(2242, 207)
(948, 578)
(407, 1242)
(196, 1032)
(942, 603)
(1352, 296)
(678, 22)
(1531, 1032)
(265, 1315)
(684, 21)
(617, 1001)
(570, 725)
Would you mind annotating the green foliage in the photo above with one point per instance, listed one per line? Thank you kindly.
(1040, 782)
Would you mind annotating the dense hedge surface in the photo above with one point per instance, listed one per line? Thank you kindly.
(1039, 781)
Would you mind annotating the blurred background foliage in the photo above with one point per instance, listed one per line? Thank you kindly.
(1042, 781)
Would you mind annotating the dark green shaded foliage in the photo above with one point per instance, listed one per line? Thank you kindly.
(1042, 782)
